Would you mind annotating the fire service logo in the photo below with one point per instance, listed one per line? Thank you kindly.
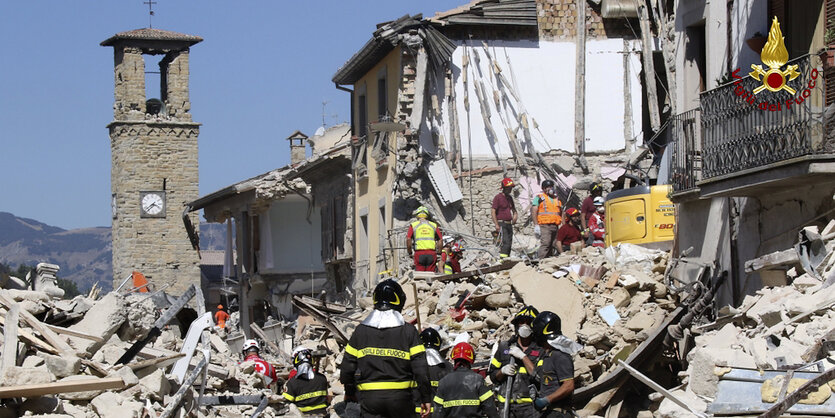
(773, 78)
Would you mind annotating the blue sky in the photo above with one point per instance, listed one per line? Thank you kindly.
(262, 72)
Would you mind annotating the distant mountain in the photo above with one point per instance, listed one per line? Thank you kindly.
(84, 255)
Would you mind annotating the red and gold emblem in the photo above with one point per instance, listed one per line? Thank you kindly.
(774, 55)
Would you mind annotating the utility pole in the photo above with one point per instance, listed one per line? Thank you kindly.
(580, 82)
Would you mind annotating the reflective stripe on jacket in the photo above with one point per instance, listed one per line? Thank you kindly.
(550, 210)
(424, 234)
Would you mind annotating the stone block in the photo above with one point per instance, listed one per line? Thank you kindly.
(62, 366)
(669, 409)
(155, 385)
(640, 322)
(499, 300)
(620, 297)
(549, 294)
(26, 376)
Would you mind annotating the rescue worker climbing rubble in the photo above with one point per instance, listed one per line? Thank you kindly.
(438, 365)
(384, 358)
(517, 358)
(556, 373)
(463, 392)
(504, 215)
(308, 389)
(451, 255)
(251, 352)
(423, 240)
(546, 211)
(221, 317)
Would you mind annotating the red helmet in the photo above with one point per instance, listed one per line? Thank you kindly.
(572, 211)
(463, 351)
(507, 182)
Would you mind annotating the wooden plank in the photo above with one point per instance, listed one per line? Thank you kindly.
(159, 362)
(10, 339)
(649, 67)
(322, 318)
(777, 258)
(85, 385)
(74, 333)
(31, 339)
(507, 265)
(38, 326)
(278, 351)
(613, 280)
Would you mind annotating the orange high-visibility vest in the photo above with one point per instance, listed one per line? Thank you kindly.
(550, 210)
(424, 234)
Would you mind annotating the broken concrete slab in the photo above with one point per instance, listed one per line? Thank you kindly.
(155, 385)
(549, 294)
(62, 366)
(102, 320)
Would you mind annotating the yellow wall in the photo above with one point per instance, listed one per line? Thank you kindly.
(377, 185)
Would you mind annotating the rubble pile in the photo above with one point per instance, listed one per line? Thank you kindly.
(72, 369)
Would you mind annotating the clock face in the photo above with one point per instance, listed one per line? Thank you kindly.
(153, 204)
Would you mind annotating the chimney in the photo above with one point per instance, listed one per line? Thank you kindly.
(297, 150)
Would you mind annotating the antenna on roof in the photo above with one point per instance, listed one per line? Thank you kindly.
(150, 4)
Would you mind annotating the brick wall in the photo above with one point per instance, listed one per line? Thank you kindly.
(557, 21)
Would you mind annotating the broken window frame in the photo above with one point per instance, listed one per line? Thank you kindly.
(380, 149)
(359, 158)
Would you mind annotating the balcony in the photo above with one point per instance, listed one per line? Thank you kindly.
(744, 144)
(686, 159)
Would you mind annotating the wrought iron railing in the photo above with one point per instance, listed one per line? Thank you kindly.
(686, 157)
(742, 130)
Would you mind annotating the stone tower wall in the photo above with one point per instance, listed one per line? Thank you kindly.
(153, 153)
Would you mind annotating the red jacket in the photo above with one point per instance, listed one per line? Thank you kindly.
(263, 367)
(597, 227)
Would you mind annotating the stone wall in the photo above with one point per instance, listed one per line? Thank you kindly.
(153, 157)
(129, 76)
(557, 20)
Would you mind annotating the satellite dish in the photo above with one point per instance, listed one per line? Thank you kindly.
(320, 131)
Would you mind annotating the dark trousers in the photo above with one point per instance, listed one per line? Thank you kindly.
(425, 260)
(386, 403)
(547, 240)
(507, 238)
(559, 413)
(521, 410)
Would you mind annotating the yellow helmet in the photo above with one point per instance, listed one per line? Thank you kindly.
(421, 212)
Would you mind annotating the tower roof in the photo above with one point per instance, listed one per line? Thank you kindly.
(149, 34)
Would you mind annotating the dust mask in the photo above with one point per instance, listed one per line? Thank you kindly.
(551, 192)
(524, 331)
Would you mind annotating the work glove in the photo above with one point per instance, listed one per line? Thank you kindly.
(537, 231)
(517, 352)
(509, 370)
(540, 403)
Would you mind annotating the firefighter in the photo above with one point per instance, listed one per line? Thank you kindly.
(251, 351)
(463, 392)
(308, 389)
(423, 240)
(526, 353)
(384, 358)
(556, 374)
(438, 366)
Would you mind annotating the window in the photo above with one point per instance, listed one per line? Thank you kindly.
(362, 118)
(362, 238)
(382, 103)
(359, 160)
(380, 148)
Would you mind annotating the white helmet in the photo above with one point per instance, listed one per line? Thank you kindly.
(448, 239)
(251, 344)
(599, 201)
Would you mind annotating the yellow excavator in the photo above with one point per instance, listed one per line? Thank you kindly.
(641, 215)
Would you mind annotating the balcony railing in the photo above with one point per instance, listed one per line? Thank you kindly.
(686, 158)
(742, 130)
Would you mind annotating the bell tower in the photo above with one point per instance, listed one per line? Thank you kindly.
(154, 171)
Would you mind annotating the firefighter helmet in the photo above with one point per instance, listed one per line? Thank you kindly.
(250, 344)
(463, 351)
(421, 211)
(572, 211)
(431, 338)
(389, 295)
(595, 187)
(528, 312)
(220, 306)
(302, 355)
(507, 182)
(546, 326)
